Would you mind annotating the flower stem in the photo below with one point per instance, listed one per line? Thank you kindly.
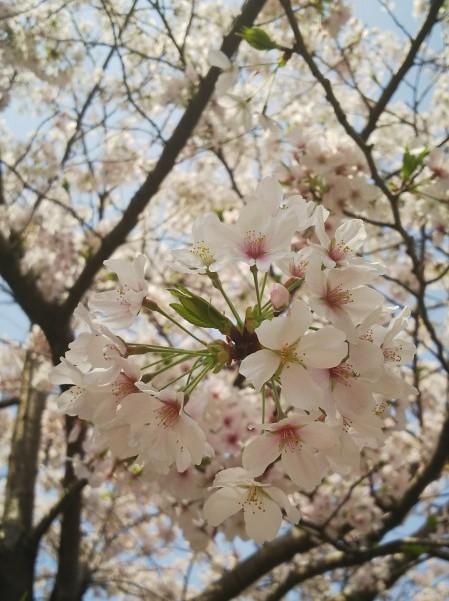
(253, 269)
(216, 282)
(176, 323)
(264, 283)
(164, 350)
(194, 383)
(264, 400)
(178, 361)
(277, 401)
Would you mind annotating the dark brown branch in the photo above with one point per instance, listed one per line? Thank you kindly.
(340, 114)
(70, 577)
(28, 295)
(9, 402)
(398, 76)
(166, 162)
(430, 473)
(271, 555)
(42, 527)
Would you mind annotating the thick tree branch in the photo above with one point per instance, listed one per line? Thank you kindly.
(166, 162)
(61, 505)
(27, 293)
(430, 473)
(69, 581)
(271, 555)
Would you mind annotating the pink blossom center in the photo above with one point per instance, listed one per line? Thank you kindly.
(298, 269)
(254, 244)
(342, 374)
(337, 252)
(337, 297)
(288, 438)
(168, 414)
(123, 386)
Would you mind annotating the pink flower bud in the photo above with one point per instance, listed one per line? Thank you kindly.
(280, 296)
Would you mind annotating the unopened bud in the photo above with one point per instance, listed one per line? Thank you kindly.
(221, 352)
(279, 296)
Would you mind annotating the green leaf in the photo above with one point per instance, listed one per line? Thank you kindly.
(257, 38)
(198, 311)
(411, 161)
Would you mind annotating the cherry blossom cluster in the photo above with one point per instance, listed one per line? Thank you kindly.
(320, 348)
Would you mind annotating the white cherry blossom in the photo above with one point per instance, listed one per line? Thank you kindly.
(161, 432)
(346, 241)
(258, 238)
(295, 439)
(120, 307)
(289, 349)
(204, 254)
(261, 503)
(342, 296)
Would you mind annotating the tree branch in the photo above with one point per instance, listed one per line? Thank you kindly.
(271, 555)
(398, 76)
(166, 162)
(41, 528)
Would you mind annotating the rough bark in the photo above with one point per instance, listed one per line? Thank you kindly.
(17, 550)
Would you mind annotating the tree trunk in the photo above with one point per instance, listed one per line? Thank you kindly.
(17, 550)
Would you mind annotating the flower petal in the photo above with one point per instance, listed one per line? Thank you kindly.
(217, 58)
(259, 367)
(324, 348)
(263, 518)
(299, 389)
(259, 453)
(222, 504)
(301, 466)
(285, 329)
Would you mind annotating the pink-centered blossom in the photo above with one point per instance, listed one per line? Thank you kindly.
(290, 352)
(342, 246)
(91, 396)
(345, 391)
(342, 296)
(395, 349)
(261, 503)
(264, 230)
(296, 440)
(160, 431)
(295, 264)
